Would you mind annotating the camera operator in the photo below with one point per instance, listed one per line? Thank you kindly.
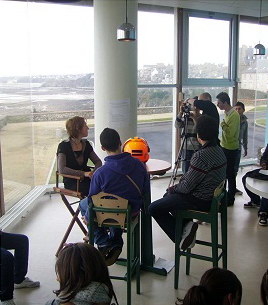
(186, 121)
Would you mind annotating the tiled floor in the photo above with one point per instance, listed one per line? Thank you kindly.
(247, 253)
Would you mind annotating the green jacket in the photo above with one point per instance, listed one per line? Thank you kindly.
(230, 130)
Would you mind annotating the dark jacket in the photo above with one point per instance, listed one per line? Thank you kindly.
(111, 178)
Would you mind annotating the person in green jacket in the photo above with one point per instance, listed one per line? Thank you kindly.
(229, 142)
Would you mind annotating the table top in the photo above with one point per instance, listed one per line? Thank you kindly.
(257, 186)
(157, 167)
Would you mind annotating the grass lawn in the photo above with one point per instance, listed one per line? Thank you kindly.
(259, 108)
(261, 122)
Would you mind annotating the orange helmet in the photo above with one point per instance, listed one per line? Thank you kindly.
(138, 148)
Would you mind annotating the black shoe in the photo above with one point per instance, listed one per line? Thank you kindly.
(104, 250)
(112, 256)
(263, 219)
(251, 204)
(188, 235)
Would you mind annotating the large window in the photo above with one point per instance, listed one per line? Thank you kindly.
(253, 84)
(156, 78)
(46, 76)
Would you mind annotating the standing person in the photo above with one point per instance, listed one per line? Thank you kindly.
(73, 156)
(186, 122)
(229, 142)
(243, 136)
(217, 287)
(14, 268)
(121, 175)
(196, 187)
(83, 277)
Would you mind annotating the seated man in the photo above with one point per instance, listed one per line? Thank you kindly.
(255, 200)
(121, 175)
(14, 268)
(196, 187)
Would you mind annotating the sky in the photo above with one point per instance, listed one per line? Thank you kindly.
(35, 40)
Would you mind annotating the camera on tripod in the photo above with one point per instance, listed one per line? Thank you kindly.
(186, 107)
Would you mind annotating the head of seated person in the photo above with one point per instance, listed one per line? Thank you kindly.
(217, 286)
(110, 141)
(206, 129)
(76, 127)
(264, 288)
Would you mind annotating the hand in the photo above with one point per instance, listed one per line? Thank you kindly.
(88, 174)
(245, 153)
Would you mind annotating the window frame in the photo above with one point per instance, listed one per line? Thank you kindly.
(232, 56)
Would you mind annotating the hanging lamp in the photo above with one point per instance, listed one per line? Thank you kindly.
(126, 31)
(259, 49)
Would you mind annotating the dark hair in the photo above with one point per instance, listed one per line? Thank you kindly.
(224, 97)
(215, 285)
(74, 126)
(207, 128)
(110, 139)
(264, 288)
(77, 266)
(240, 104)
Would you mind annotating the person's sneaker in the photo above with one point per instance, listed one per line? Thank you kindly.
(112, 256)
(104, 250)
(188, 235)
(8, 302)
(251, 204)
(263, 219)
(27, 283)
(238, 192)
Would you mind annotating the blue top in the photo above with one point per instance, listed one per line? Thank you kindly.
(111, 178)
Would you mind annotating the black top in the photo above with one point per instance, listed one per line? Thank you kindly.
(208, 108)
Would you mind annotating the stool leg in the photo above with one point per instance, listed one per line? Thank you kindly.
(178, 231)
(137, 255)
(188, 261)
(224, 237)
(214, 240)
(129, 264)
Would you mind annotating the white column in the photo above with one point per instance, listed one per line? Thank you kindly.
(115, 70)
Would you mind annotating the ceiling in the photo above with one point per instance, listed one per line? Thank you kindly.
(238, 7)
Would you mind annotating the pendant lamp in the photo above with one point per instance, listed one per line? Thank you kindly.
(126, 31)
(259, 49)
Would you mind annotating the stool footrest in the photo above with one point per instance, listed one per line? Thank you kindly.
(206, 243)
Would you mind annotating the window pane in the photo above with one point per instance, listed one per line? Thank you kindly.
(46, 77)
(253, 75)
(155, 48)
(155, 121)
(208, 48)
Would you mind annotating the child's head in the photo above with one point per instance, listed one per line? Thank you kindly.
(217, 286)
(77, 266)
(240, 107)
(110, 140)
(264, 288)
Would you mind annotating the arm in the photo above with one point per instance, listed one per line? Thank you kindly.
(195, 174)
(245, 139)
(63, 169)
(97, 162)
(264, 158)
(95, 185)
(231, 125)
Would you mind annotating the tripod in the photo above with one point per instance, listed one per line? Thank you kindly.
(184, 135)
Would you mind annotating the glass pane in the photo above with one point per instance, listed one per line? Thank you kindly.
(253, 75)
(155, 48)
(155, 121)
(47, 81)
(208, 60)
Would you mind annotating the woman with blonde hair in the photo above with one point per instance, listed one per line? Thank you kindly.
(74, 153)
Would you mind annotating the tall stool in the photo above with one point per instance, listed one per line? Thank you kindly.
(114, 211)
(218, 206)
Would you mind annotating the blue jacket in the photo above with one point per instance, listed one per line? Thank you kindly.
(111, 178)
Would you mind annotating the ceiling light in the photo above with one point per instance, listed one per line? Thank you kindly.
(126, 31)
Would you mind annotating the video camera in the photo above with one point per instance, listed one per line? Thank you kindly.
(187, 106)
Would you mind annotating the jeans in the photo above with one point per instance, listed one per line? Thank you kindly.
(101, 236)
(163, 210)
(231, 171)
(13, 268)
(237, 161)
(253, 197)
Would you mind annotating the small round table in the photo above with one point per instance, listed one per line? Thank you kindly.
(257, 186)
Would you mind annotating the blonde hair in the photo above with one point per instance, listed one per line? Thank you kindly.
(74, 126)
